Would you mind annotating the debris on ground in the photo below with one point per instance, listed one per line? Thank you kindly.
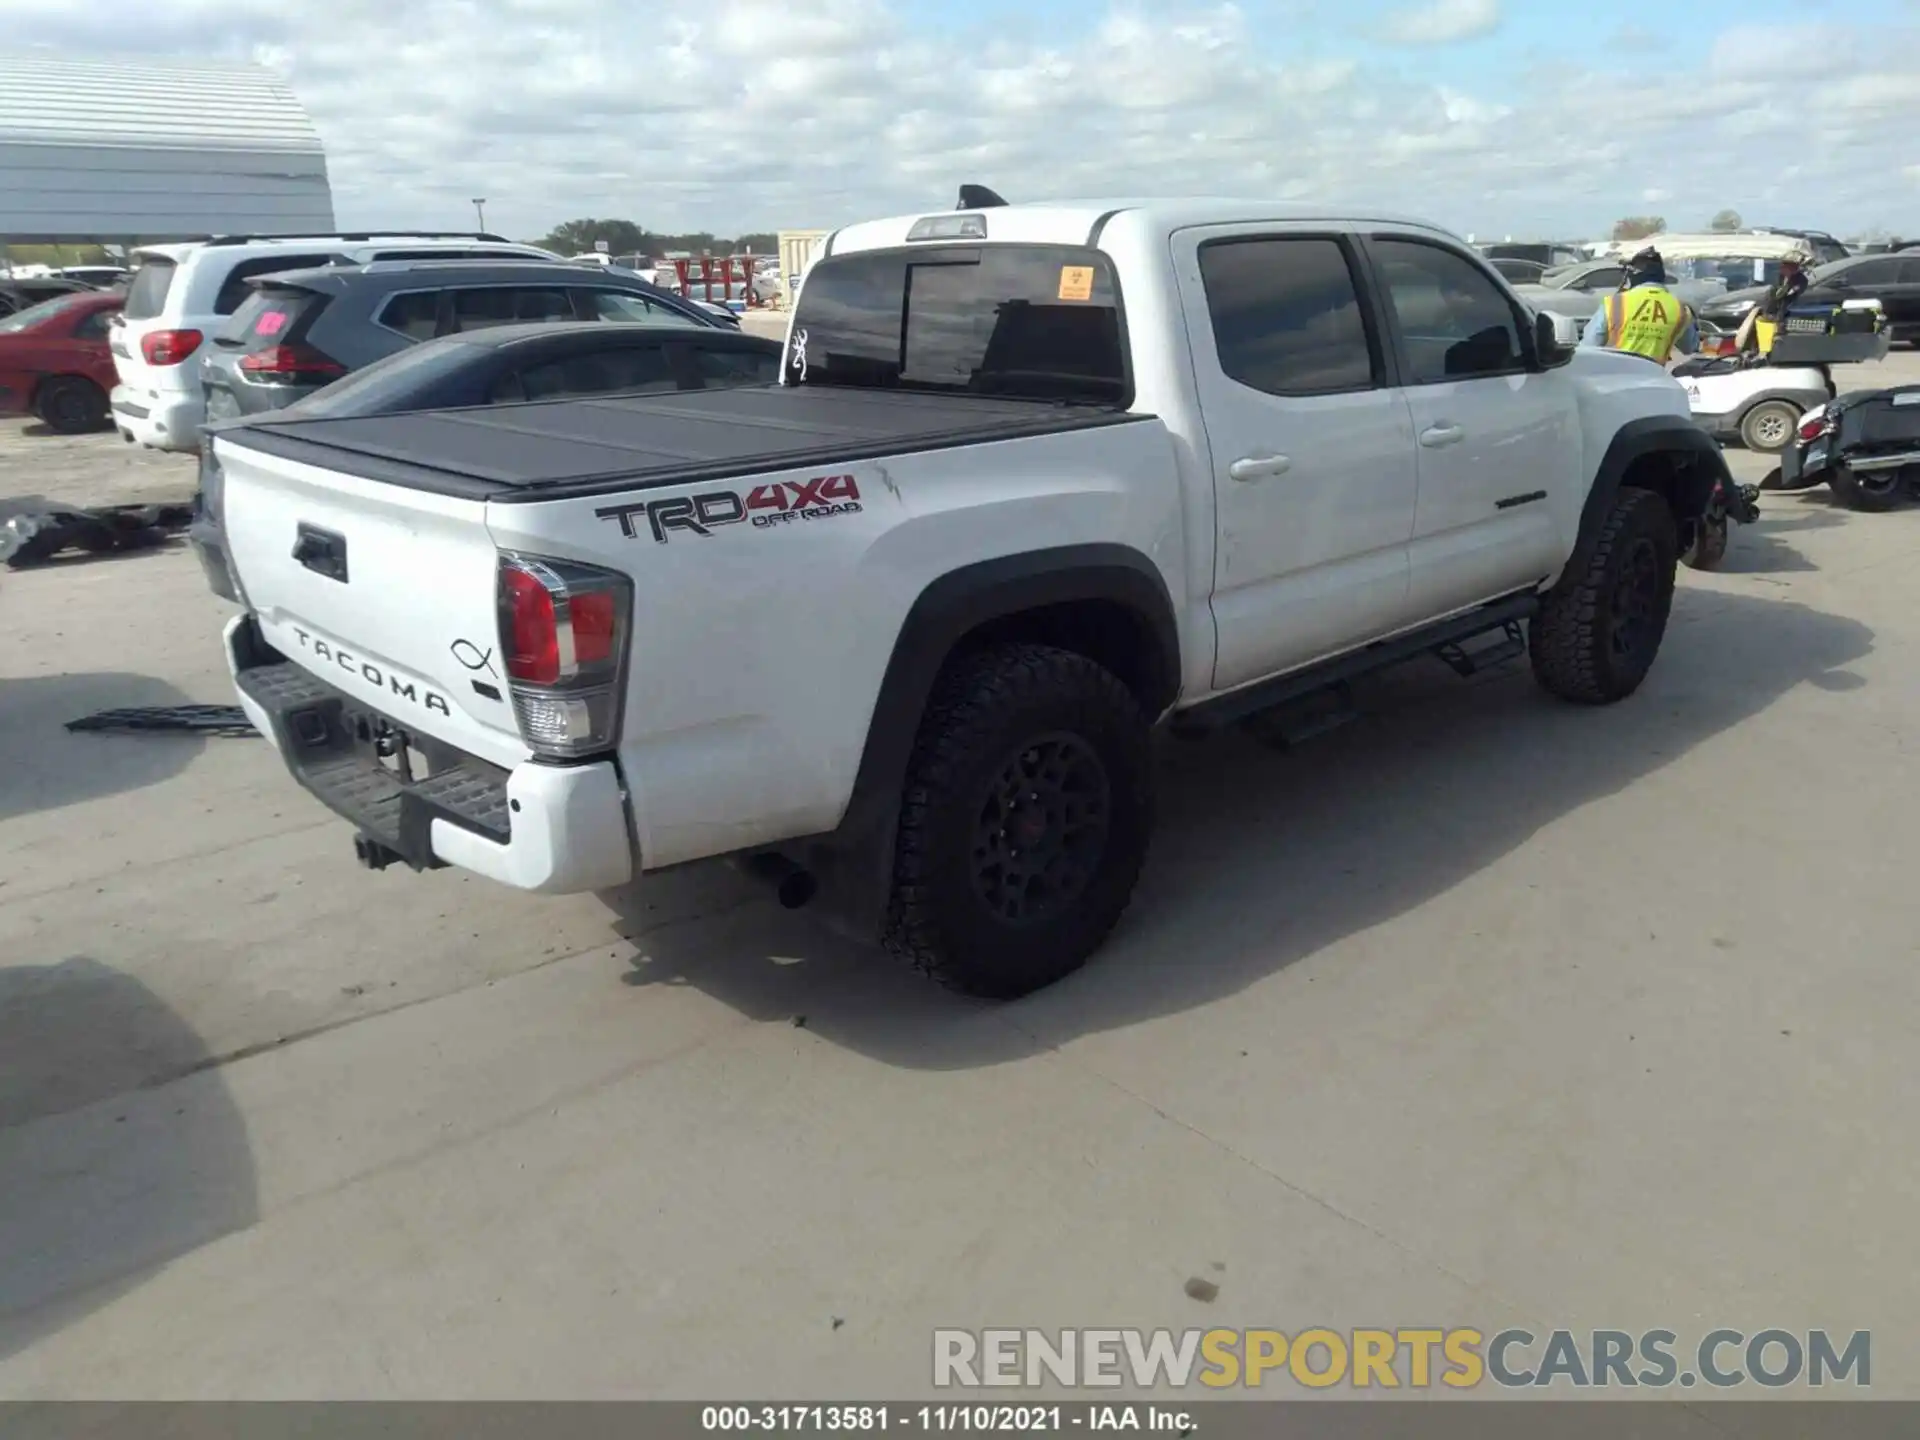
(36, 535)
(224, 721)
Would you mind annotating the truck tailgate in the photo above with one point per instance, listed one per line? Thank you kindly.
(386, 593)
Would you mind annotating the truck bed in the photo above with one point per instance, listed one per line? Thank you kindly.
(555, 449)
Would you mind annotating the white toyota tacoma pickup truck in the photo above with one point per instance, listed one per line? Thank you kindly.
(895, 633)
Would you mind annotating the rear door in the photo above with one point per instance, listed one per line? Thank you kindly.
(82, 347)
(1496, 437)
(1312, 446)
(385, 592)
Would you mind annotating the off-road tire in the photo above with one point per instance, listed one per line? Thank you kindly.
(1767, 428)
(71, 405)
(1572, 640)
(988, 712)
(1709, 547)
(1874, 499)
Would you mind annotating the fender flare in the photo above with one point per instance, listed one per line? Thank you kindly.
(858, 853)
(1636, 439)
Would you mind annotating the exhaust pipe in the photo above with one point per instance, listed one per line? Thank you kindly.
(792, 886)
(372, 854)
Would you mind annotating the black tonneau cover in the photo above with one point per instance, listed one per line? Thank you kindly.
(553, 449)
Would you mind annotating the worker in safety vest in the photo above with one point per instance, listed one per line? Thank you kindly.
(1643, 316)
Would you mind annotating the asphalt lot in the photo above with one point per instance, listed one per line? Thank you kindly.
(1483, 1010)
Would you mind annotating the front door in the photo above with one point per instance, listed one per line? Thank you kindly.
(1312, 450)
(1498, 441)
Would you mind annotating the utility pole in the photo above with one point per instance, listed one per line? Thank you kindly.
(480, 211)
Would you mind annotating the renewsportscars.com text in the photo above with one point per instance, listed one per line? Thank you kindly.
(1459, 1359)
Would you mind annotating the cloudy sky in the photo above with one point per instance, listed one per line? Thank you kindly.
(1492, 116)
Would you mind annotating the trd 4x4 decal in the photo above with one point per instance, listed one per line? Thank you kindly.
(764, 505)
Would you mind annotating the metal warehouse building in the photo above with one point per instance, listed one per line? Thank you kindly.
(114, 150)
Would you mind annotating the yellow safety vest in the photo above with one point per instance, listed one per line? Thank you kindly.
(1646, 320)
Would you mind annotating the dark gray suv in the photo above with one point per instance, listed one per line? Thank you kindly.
(302, 329)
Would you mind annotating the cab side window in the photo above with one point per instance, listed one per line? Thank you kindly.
(1286, 315)
(1455, 324)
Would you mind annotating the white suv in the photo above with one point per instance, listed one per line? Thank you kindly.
(180, 293)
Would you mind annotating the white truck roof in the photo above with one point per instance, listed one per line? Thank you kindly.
(1072, 221)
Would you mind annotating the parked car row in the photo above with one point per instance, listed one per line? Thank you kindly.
(54, 361)
(247, 324)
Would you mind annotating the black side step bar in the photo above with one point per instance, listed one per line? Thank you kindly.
(1444, 638)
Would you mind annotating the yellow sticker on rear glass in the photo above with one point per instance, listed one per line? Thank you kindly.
(1076, 282)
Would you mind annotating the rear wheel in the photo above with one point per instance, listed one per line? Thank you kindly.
(1872, 492)
(1027, 810)
(1768, 426)
(71, 405)
(1595, 638)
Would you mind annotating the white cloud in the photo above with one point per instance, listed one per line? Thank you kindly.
(762, 114)
(1441, 22)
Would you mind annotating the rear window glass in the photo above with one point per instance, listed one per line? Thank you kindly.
(398, 381)
(1030, 321)
(718, 367)
(234, 290)
(147, 295)
(266, 317)
(626, 370)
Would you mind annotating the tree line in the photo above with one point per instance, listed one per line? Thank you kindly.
(624, 237)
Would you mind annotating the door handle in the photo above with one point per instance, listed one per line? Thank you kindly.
(1434, 436)
(1258, 467)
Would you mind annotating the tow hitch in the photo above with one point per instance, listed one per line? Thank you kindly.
(372, 854)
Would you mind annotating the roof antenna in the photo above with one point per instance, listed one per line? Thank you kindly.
(977, 197)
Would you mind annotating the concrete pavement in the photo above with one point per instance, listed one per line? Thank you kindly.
(1484, 1010)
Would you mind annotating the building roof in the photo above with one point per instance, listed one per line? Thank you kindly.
(50, 98)
(153, 149)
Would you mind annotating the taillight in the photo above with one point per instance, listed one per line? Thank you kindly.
(563, 633)
(1812, 427)
(290, 362)
(169, 347)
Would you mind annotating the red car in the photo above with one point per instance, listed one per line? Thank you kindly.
(54, 361)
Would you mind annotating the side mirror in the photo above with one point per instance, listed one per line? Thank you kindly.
(1554, 338)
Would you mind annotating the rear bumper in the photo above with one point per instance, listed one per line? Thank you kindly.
(157, 419)
(552, 828)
